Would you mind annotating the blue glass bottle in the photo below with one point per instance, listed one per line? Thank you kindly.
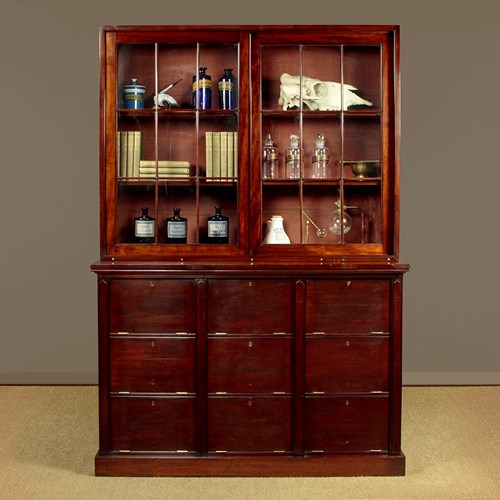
(218, 227)
(227, 90)
(202, 90)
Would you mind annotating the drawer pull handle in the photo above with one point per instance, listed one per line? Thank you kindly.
(347, 402)
(250, 283)
(152, 343)
(349, 283)
(347, 343)
(250, 344)
(152, 403)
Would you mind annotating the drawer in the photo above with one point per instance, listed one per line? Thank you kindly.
(152, 364)
(249, 364)
(249, 306)
(348, 306)
(252, 424)
(347, 364)
(346, 424)
(152, 424)
(152, 306)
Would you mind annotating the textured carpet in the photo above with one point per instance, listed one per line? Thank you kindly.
(48, 439)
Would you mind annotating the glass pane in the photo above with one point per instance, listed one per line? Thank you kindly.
(363, 204)
(281, 200)
(135, 140)
(276, 61)
(322, 146)
(361, 66)
(216, 59)
(176, 67)
(132, 197)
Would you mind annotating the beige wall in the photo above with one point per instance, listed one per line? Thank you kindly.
(49, 176)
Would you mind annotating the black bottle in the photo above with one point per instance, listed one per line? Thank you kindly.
(202, 90)
(227, 90)
(177, 228)
(218, 227)
(144, 227)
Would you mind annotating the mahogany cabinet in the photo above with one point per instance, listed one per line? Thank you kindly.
(274, 349)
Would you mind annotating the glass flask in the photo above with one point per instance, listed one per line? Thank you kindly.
(340, 221)
(320, 158)
(293, 158)
(269, 159)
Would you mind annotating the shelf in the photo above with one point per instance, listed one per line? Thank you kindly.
(172, 180)
(175, 112)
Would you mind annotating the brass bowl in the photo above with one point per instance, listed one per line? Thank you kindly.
(362, 169)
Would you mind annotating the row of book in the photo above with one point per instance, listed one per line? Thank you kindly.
(221, 156)
(130, 165)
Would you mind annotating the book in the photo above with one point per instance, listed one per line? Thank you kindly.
(164, 164)
(208, 156)
(223, 154)
(216, 163)
(235, 154)
(137, 151)
(128, 154)
(230, 155)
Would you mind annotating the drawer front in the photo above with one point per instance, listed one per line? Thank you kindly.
(152, 306)
(253, 424)
(152, 365)
(348, 306)
(346, 424)
(242, 365)
(347, 364)
(152, 424)
(249, 306)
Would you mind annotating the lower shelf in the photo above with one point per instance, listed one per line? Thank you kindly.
(250, 465)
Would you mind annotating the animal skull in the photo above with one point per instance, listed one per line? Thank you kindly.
(316, 94)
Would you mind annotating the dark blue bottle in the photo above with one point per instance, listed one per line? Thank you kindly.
(202, 90)
(227, 90)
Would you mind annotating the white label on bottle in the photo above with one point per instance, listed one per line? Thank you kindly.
(217, 229)
(176, 229)
(145, 228)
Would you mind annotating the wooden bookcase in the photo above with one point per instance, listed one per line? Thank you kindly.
(251, 358)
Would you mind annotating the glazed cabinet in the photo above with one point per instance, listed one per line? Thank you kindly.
(249, 282)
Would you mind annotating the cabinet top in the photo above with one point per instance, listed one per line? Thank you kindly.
(338, 28)
(175, 135)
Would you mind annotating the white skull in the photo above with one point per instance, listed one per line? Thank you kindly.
(316, 94)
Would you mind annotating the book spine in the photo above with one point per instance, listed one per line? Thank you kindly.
(223, 155)
(216, 155)
(208, 156)
(164, 164)
(235, 161)
(137, 153)
(230, 155)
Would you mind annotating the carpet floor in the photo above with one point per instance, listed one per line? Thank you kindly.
(48, 440)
